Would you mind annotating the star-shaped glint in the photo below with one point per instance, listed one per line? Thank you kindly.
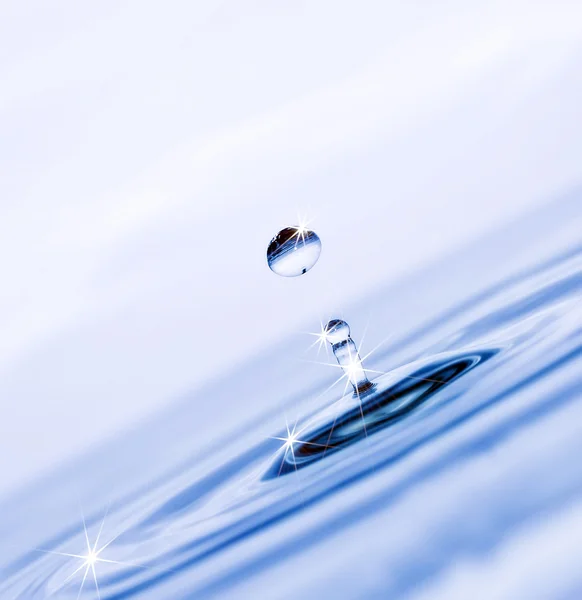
(91, 557)
(289, 442)
(301, 230)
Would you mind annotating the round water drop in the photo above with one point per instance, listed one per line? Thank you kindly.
(293, 251)
(337, 331)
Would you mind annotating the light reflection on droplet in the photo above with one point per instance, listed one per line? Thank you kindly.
(293, 251)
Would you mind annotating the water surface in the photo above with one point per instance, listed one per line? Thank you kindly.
(461, 478)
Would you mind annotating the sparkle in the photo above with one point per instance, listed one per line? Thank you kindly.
(90, 559)
(291, 439)
(321, 339)
(301, 229)
(354, 365)
(289, 442)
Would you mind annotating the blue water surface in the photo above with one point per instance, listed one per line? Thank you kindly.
(475, 492)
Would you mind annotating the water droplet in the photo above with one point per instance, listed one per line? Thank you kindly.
(293, 251)
(337, 333)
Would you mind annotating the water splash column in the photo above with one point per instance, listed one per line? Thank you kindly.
(337, 333)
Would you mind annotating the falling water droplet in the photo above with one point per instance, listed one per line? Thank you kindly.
(337, 333)
(293, 251)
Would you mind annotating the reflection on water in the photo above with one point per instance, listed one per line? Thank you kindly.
(476, 423)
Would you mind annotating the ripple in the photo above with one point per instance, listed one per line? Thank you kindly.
(384, 404)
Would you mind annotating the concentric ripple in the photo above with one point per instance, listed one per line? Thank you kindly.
(384, 404)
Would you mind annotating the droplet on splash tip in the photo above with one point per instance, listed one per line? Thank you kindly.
(337, 331)
(293, 251)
